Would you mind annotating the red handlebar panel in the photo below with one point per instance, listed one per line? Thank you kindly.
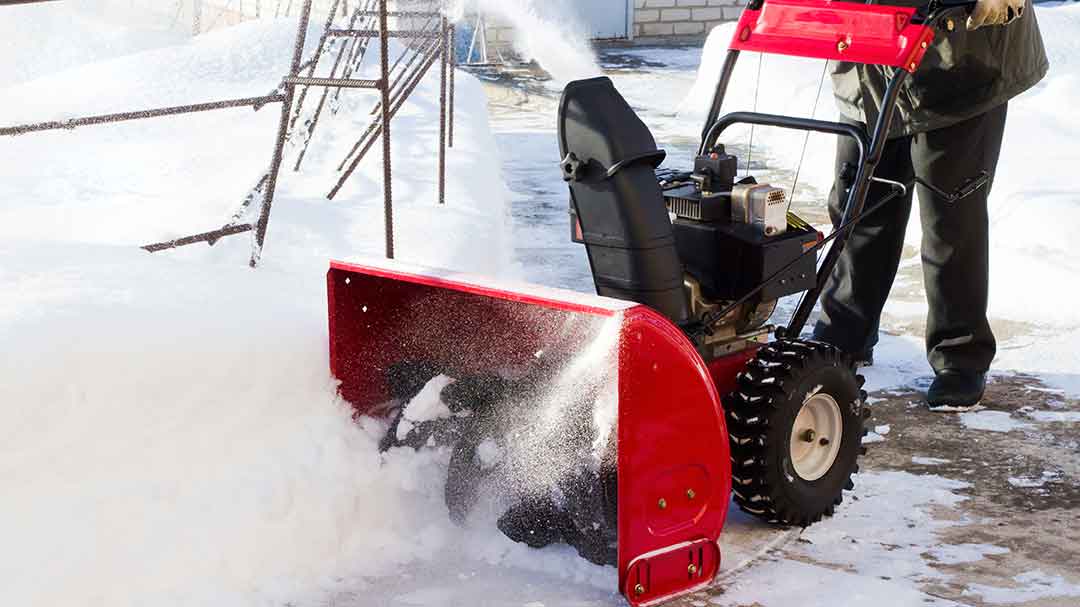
(840, 31)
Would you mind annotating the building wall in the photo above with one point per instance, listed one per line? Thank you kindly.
(666, 19)
(500, 34)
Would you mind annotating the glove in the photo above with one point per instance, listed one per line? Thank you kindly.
(995, 12)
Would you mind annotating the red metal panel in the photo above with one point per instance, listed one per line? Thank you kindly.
(724, 370)
(840, 31)
(674, 469)
(559, 299)
(380, 316)
(672, 441)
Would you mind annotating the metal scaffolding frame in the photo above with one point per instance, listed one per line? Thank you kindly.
(423, 47)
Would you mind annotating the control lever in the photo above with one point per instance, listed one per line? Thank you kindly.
(968, 188)
(936, 9)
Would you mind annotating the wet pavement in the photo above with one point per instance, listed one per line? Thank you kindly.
(1023, 476)
(1012, 538)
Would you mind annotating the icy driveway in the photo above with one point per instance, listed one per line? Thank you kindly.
(974, 510)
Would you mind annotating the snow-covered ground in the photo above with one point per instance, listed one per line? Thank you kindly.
(169, 430)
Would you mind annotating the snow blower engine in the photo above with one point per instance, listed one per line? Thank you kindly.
(624, 423)
(697, 246)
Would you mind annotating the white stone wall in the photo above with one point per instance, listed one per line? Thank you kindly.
(657, 19)
(499, 32)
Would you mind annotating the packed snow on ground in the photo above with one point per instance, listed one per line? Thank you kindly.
(955, 554)
(1032, 483)
(1033, 208)
(1059, 417)
(871, 553)
(1030, 586)
(872, 437)
(929, 461)
(992, 421)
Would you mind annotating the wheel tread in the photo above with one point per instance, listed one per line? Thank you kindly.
(749, 413)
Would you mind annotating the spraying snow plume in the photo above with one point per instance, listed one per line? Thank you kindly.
(532, 453)
(550, 33)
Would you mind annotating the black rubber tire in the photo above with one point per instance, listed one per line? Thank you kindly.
(760, 414)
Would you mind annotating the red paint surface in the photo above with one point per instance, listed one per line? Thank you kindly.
(672, 439)
(671, 433)
(724, 370)
(439, 279)
(378, 319)
(871, 33)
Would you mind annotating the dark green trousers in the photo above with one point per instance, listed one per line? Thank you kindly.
(955, 245)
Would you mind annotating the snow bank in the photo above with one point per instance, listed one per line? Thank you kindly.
(788, 85)
(1034, 207)
(49, 49)
(147, 181)
(152, 452)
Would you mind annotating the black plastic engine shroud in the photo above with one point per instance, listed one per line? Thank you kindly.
(731, 259)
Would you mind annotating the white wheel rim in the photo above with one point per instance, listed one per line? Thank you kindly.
(816, 437)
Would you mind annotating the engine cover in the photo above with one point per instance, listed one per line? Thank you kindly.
(731, 259)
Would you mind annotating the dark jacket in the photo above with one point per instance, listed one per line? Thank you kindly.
(963, 75)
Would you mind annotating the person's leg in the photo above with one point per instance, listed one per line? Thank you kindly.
(855, 293)
(955, 243)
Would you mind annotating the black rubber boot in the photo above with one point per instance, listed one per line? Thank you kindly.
(956, 390)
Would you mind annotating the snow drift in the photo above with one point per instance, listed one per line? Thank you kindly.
(147, 181)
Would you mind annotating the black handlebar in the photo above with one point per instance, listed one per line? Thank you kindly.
(933, 11)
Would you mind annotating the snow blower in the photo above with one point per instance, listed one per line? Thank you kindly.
(624, 423)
